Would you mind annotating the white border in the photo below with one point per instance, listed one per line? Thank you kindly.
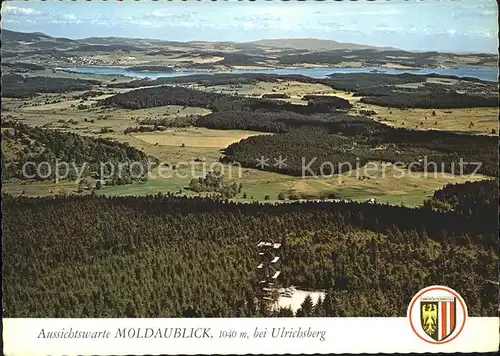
(342, 335)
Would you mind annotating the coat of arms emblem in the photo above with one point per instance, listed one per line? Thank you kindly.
(437, 314)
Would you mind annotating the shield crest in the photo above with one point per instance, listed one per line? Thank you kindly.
(437, 317)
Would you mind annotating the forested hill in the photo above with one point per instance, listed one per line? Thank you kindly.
(22, 144)
(165, 256)
(469, 198)
(18, 86)
(166, 95)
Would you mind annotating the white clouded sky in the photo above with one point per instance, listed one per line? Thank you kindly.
(446, 25)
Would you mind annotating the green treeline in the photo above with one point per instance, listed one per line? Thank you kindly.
(167, 95)
(213, 79)
(436, 100)
(214, 182)
(23, 65)
(166, 256)
(278, 122)
(35, 146)
(361, 141)
(469, 198)
(18, 86)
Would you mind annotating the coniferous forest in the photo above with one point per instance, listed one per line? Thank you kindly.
(167, 256)
(24, 144)
(312, 130)
(116, 246)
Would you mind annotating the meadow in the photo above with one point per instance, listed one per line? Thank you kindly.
(200, 147)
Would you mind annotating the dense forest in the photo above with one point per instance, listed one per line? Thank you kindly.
(214, 182)
(213, 79)
(368, 56)
(276, 122)
(308, 144)
(435, 100)
(23, 65)
(275, 96)
(241, 59)
(429, 151)
(352, 82)
(18, 86)
(375, 88)
(470, 198)
(166, 256)
(316, 127)
(22, 144)
(168, 95)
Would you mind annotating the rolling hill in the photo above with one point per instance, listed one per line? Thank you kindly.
(313, 44)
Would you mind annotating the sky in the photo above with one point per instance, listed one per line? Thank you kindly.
(440, 25)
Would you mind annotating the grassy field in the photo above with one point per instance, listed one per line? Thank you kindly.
(296, 90)
(195, 137)
(458, 120)
(89, 120)
(387, 184)
(34, 189)
(198, 148)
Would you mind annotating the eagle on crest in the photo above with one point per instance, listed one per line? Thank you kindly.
(429, 318)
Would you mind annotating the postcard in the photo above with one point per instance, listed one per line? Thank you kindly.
(249, 177)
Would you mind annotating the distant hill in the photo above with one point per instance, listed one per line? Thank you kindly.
(13, 36)
(313, 44)
(309, 44)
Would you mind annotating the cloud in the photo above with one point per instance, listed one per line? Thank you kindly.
(165, 14)
(143, 23)
(387, 28)
(248, 26)
(486, 34)
(372, 12)
(10, 9)
(257, 18)
(69, 17)
(66, 19)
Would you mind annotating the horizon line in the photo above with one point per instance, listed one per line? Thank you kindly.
(384, 48)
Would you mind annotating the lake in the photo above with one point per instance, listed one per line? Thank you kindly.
(483, 73)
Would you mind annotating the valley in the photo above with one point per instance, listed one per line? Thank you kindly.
(148, 162)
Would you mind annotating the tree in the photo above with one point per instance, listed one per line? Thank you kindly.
(267, 197)
(281, 196)
(130, 311)
(319, 308)
(285, 312)
(300, 313)
(329, 303)
(307, 306)
(293, 197)
(98, 185)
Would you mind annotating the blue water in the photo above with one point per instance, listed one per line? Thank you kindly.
(484, 73)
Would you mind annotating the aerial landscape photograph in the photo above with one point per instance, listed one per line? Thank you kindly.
(247, 159)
